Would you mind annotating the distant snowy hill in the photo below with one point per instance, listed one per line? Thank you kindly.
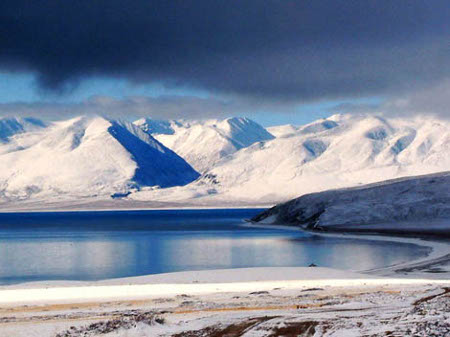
(203, 143)
(85, 157)
(341, 151)
(418, 205)
(12, 126)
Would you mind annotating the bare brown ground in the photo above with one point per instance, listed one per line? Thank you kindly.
(8, 314)
(429, 298)
(232, 330)
(296, 329)
(256, 308)
(303, 329)
(71, 306)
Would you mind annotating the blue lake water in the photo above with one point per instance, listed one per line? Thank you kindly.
(102, 245)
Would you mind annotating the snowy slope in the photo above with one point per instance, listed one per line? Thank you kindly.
(283, 130)
(12, 126)
(203, 143)
(87, 157)
(414, 204)
(341, 151)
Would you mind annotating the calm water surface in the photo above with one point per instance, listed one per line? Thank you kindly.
(101, 245)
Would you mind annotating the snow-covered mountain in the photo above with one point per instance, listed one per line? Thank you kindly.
(340, 151)
(86, 157)
(241, 163)
(418, 205)
(204, 143)
(12, 126)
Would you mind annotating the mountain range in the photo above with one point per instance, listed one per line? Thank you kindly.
(233, 161)
(340, 151)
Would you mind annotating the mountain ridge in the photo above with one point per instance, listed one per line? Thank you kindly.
(203, 143)
(341, 151)
(87, 156)
(414, 205)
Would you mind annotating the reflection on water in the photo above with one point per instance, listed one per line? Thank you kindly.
(94, 246)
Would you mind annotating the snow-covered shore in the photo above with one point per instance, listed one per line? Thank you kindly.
(435, 265)
(192, 283)
(172, 284)
(198, 303)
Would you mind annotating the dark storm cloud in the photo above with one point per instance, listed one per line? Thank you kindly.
(277, 50)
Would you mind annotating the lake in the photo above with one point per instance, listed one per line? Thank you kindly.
(112, 244)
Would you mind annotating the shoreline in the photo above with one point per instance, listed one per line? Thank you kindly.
(207, 282)
(439, 249)
(195, 283)
(168, 208)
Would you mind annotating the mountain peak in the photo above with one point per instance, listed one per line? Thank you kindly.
(153, 126)
(94, 156)
(203, 143)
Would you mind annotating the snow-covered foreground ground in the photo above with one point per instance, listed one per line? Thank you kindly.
(246, 302)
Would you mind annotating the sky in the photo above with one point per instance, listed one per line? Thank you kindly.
(276, 62)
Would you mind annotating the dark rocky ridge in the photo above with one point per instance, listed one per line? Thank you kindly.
(413, 205)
